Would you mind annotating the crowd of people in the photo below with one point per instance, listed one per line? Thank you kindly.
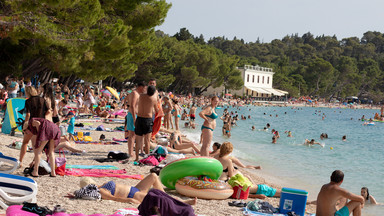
(49, 105)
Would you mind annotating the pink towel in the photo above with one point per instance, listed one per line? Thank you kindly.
(101, 173)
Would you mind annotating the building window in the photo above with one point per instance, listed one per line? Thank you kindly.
(253, 78)
(263, 79)
(268, 80)
(258, 79)
(248, 78)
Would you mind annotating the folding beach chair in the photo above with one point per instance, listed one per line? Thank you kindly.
(16, 189)
(8, 164)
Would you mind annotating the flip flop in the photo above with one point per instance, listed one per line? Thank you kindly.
(241, 204)
(234, 203)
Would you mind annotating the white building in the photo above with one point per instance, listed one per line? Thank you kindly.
(257, 83)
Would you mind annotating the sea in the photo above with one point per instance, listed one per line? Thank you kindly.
(290, 163)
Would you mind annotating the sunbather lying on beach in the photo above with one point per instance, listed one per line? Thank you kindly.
(128, 194)
(178, 143)
(65, 143)
(163, 142)
(261, 191)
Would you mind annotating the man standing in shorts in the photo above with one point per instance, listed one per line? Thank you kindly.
(159, 114)
(131, 116)
(331, 193)
(147, 106)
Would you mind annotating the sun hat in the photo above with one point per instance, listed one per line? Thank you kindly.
(86, 181)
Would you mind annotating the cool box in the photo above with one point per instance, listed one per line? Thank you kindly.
(293, 200)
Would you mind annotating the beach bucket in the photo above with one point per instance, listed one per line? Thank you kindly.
(239, 193)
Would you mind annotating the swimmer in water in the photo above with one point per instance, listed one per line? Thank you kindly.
(344, 138)
(289, 134)
(312, 142)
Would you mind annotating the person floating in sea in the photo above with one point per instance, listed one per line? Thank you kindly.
(331, 193)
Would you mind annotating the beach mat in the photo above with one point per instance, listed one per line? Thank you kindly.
(98, 142)
(104, 167)
(101, 173)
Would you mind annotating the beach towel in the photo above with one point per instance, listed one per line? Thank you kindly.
(165, 204)
(98, 142)
(105, 167)
(101, 173)
(120, 140)
(240, 180)
(127, 212)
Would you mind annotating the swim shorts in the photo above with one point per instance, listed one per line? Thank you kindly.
(143, 126)
(193, 116)
(266, 190)
(129, 122)
(342, 212)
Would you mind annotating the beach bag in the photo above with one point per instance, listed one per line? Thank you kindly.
(60, 164)
(240, 185)
(44, 168)
(150, 160)
(239, 193)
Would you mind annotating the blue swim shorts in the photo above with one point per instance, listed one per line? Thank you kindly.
(129, 122)
(342, 212)
(266, 190)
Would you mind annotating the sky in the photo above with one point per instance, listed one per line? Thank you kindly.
(274, 19)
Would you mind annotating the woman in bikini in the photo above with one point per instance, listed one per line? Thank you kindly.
(176, 113)
(167, 107)
(209, 115)
(128, 194)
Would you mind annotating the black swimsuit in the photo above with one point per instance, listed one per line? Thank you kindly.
(226, 170)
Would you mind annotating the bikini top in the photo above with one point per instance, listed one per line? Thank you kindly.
(226, 170)
(212, 116)
(111, 186)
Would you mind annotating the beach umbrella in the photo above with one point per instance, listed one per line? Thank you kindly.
(228, 95)
(113, 92)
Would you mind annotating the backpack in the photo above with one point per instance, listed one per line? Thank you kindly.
(44, 169)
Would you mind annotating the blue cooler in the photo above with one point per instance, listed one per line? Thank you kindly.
(293, 200)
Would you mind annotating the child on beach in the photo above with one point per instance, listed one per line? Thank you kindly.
(71, 124)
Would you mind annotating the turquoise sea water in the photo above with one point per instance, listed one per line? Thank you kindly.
(295, 165)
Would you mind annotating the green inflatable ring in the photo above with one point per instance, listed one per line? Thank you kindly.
(193, 166)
